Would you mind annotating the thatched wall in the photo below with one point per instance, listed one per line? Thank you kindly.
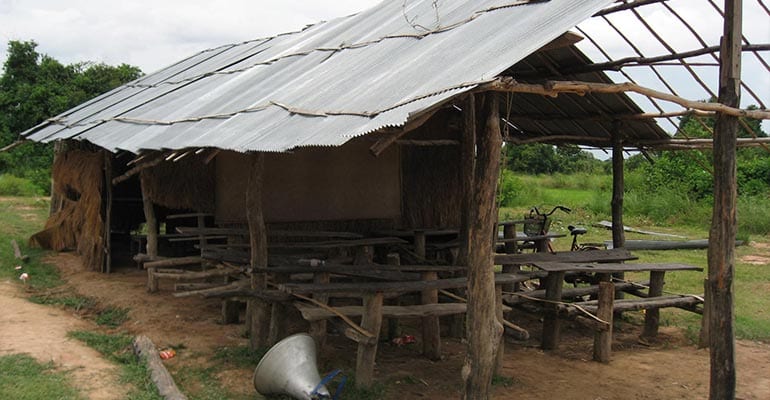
(431, 184)
(77, 222)
(185, 184)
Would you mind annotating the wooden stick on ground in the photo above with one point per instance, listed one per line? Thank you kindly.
(17, 251)
(144, 348)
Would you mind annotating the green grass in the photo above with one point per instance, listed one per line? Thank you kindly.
(112, 317)
(117, 348)
(23, 378)
(14, 186)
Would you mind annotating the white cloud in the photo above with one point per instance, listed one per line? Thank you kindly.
(152, 34)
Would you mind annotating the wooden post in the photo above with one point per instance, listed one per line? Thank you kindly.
(258, 310)
(499, 313)
(652, 316)
(509, 232)
(107, 212)
(703, 340)
(484, 329)
(277, 316)
(431, 330)
(367, 351)
(603, 339)
(318, 328)
(393, 329)
(551, 323)
(151, 225)
(721, 252)
(618, 189)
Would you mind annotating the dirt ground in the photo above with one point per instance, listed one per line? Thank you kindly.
(667, 369)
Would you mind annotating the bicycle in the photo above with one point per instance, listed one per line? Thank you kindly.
(538, 224)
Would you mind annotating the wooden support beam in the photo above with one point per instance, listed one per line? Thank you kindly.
(258, 311)
(484, 328)
(383, 144)
(555, 88)
(173, 262)
(720, 297)
(367, 352)
(551, 323)
(318, 328)
(603, 339)
(652, 317)
(139, 168)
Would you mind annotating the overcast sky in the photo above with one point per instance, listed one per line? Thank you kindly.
(152, 34)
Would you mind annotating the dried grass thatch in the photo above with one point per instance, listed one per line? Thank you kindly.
(431, 183)
(78, 222)
(184, 184)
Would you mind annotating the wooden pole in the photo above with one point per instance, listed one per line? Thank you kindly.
(367, 351)
(258, 310)
(603, 339)
(652, 316)
(721, 253)
(431, 330)
(618, 189)
(484, 330)
(151, 225)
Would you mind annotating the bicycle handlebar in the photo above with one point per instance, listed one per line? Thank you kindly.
(562, 208)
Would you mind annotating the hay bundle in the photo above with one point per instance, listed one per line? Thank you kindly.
(185, 184)
(78, 224)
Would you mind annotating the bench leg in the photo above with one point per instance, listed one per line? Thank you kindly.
(431, 330)
(603, 339)
(652, 316)
(371, 321)
(152, 281)
(500, 357)
(551, 323)
(318, 328)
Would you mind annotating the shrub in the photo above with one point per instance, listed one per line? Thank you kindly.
(14, 186)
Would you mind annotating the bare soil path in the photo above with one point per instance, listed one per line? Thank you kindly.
(670, 369)
(41, 332)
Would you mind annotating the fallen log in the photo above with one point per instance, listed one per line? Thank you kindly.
(667, 244)
(196, 275)
(173, 262)
(145, 349)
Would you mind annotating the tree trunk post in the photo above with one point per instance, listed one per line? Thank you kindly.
(603, 339)
(151, 225)
(721, 253)
(618, 189)
(367, 352)
(484, 329)
(652, 316)
(258, 310)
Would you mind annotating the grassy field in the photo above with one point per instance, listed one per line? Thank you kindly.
(23, 378)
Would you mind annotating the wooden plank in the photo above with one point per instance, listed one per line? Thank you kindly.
(613, 267)
(275, 233)
(342, 268)
(571, 293)
(612, 255)
(310, 313)
(533, 238)
(188, 215)
(408, 286)
(603, 338)
(194, 231)
(173, 262)
(339, 243)
(650, 303)
(197, 275)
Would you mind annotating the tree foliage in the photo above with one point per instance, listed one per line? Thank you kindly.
(34, 87)
(540, 158)
(689, 172)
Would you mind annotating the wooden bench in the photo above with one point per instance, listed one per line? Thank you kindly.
(605, 305)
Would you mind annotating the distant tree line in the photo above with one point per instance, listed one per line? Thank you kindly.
(34, 87)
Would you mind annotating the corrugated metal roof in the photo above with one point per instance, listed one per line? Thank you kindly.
(324, 85)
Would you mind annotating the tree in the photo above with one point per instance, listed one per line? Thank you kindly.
(34, 87)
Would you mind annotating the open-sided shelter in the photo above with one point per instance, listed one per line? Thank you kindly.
(390, 118)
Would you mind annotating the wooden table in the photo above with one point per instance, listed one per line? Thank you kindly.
(372, 312)
(555, 281)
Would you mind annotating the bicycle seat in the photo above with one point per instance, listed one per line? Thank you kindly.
(576, 230)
